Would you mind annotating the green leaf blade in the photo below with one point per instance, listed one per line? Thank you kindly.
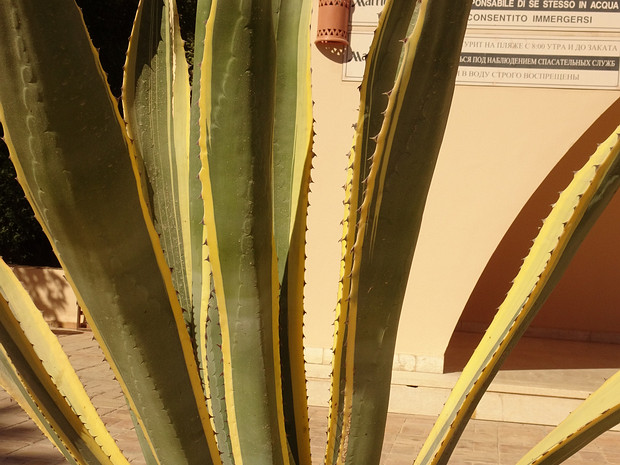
(379, 77)
(17, 388)
(200, 271)
(391, 213)
(597, 414)
(571, 218)
(292, 119)
(67, 139)
(46, 382)
(292, 153)
(237, 91)
(156, 98)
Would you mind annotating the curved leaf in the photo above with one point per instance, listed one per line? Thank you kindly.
(564, 229)
(597, 414)
(66, 137)
(50, 383)
(155, 100)
(390, 217)
(236, 102)
(16, 388)
(292, 153)
(379, 76)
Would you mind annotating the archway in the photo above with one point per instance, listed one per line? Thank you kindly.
(585, 306)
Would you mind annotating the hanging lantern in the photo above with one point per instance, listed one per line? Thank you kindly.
(333, 23)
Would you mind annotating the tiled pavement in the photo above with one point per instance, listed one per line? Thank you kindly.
(483, 443)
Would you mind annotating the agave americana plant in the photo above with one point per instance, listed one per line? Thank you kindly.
(180, 226)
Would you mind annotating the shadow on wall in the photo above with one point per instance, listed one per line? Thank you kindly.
(52, 294)
(535, 353)
(337, 53)
(584, 305)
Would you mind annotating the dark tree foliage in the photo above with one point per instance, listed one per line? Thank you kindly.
(187, 20)
(109, 23)
(22, 240)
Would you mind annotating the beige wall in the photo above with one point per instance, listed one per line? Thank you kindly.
(500, 144)
(490, 164)
(51, 293)
(585, 302)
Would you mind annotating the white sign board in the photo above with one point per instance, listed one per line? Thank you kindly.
(521, 61)
(574, 15)
(366, 12)
(540, 62)
(359, 44)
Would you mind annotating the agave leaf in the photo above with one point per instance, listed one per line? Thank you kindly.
(293, 120)
(201, 271)
(155, 98)
(236, 104)
(571, 218)
(215, 381)
(47, 383)
(380, 74)
(147, 452)
(390, 217)
(292, 142)
(208, 334)
(597, 414)
(383, 61)
(15, 387)
(291, 334)
(66, 136)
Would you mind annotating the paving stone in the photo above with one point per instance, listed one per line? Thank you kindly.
(394, 460)
(482, 443)
(409, 448)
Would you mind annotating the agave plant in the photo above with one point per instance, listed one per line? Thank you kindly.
(180, 226)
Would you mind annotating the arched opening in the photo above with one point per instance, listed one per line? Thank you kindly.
(585, 306)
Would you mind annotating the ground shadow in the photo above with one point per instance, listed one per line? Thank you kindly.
(532, 353)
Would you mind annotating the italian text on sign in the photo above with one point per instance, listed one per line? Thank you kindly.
(576, 15)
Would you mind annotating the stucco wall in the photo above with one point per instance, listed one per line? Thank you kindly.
(51, 293)
(500, 144)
